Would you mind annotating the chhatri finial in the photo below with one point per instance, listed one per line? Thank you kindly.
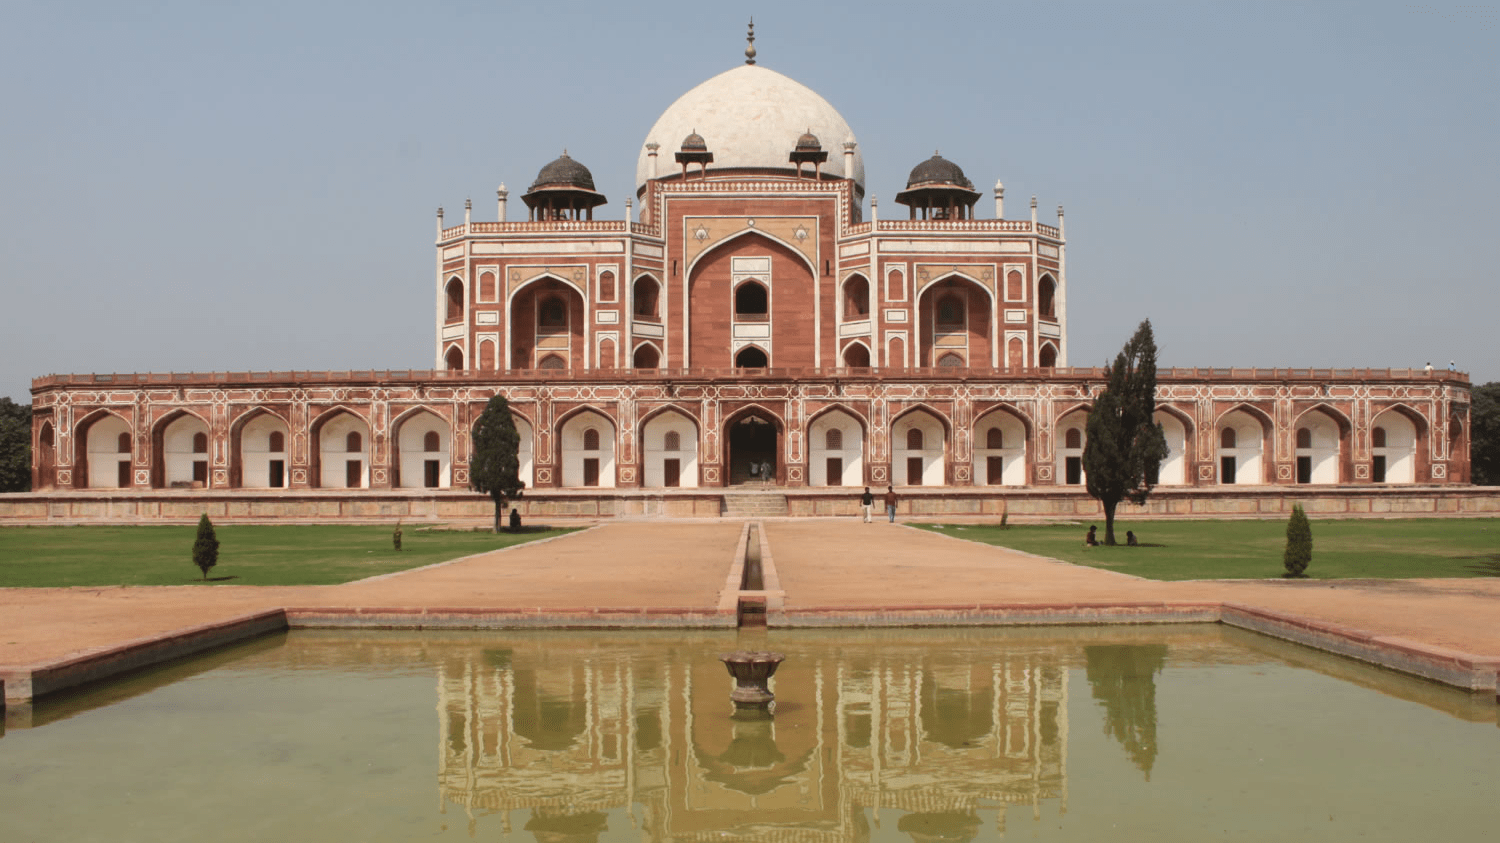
(750, 50)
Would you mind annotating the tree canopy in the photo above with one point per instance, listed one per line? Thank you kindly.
(494, 462)
(1484, 435)
(15, 446)
(1125, 446)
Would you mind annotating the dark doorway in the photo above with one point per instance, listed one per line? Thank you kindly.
(750, 358)
(124, 477)
(430, 470)
(591, 471)
(1226, 470)
(200, 472)
(671, 473)
(835, 471)
(1073, 471)
(913, 471)
(353, 472)
(752, 445)
(277, 474)
(994, 470)
(1304, 469)
(1377, 469)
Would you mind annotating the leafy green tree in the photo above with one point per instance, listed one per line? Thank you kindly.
(206, 547)
(1298, 544)
(1484, 435)
(15, 446)
(1125, 446)
(494, 464)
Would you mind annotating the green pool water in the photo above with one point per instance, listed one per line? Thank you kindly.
(1079, 734)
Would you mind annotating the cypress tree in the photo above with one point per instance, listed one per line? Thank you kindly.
(1125, 445)
(494, 462)
(206, 547)
(1299, 544)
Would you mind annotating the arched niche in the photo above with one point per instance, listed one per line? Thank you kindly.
(954, 318)
(424, 446)
(260, 442)
(669, 442)
(1000, 444)
(836, 447)
(1071, 433)
(100, 460)
(341, 441)
(181, 454)
(587, 450)
(1241, 453)
(919, 442)
(1394, 447)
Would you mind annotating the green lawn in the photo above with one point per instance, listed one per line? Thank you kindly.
(248, 555)
(1207, 550)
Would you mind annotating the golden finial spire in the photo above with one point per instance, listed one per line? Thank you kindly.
(750, 50)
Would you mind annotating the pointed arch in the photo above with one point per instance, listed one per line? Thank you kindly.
(856, 298)
(414, 465)
(1177, 426)
(254, 461)
(669, 448)
(926, 465)
(750, 232)
(453, 291)
(1404, 456)
(45, 475)
(752, 357)
(646, 292)
(98, 462)
(746, 442)
(1321, 439)
(1046, 296)
(586, 448)
(956, 319)
(646, 356)
(1248, 460)
(334, 466)
(857, 355)
(1046, 356)
(453, 359)
(546, 318)
(175, 462)
(836, 438)
(1002, 439)
(1070, 436)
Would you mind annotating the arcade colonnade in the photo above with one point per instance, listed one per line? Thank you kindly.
(935, 427)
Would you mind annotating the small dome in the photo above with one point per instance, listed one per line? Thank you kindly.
(938, 170)
(694, 143)
(809, 143)
(564, 172)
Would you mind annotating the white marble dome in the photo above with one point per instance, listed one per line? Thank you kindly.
(750, 117)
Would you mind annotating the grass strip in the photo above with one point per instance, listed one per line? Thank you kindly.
(248, 554)
(1213, 550)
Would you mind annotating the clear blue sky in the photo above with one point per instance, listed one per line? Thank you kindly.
(200, 186)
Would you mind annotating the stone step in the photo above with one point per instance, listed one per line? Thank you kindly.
(753, 504)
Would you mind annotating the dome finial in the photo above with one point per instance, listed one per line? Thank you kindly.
(750, 50)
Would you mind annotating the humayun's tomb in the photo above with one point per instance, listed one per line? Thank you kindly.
(747, 336)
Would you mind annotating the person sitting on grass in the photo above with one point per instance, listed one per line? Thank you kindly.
(1091, 540)
(1130, 539)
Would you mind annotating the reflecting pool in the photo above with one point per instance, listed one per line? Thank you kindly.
(1086, 734)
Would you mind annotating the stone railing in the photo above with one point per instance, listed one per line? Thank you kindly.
(955, 226)
(546, 227)
(925, 374)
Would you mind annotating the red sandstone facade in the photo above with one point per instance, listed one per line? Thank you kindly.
(749, 326)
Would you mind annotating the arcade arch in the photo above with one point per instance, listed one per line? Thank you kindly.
(670, 443)
(587, 443)
(525, 454)
(1317, 439)
(341, 441)
(752, 444)
(107, 451)
(182, 456)
(1000, 449)
(424, 458)
(1241, 449)
(1393, 448)
(836, 446)
(918, 447)
(1173, 468)
(1071, 436)
(261, 455)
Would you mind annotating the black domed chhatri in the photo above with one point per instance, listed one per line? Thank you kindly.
(808, 151)
(938, 170)
(564, 172)
(809, 143)
(694, 151)
(694, 143)
(563, 190)
(940, 188)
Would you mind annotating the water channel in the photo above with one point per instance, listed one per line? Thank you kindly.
(909, 736)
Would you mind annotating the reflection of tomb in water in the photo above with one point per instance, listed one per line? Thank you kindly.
(578, 731)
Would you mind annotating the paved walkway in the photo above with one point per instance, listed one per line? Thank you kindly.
(822, 563)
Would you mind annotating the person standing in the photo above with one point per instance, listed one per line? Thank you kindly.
(867, 500)
(890, 503)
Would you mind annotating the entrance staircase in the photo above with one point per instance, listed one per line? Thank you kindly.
(754, 499)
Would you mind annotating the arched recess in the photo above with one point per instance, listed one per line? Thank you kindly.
(856, 298)
(1177, 428)
(836, 448)
(180, 452)
(340, 450)
(423, 457)
(646, 356)
(454, 293)
(669, 440)
(1401, 457)
(1046, 356)
(730, 244)
(606, 356)
(1001, 439)
(586, 450)
(919, 446)
(1458, 450)
(1320, 444)
(1243, 439)
(1071, 433)
(856, 355)
(895, 352)
(753, 439)
(767, 288)
(546, 320)
(258, 446)
(1046, 297)
(525, 450)
(46, 458)
(99, 461)
(647, 297)
(453, 361)
(487, 355)
(954, 316)
(751, 357)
